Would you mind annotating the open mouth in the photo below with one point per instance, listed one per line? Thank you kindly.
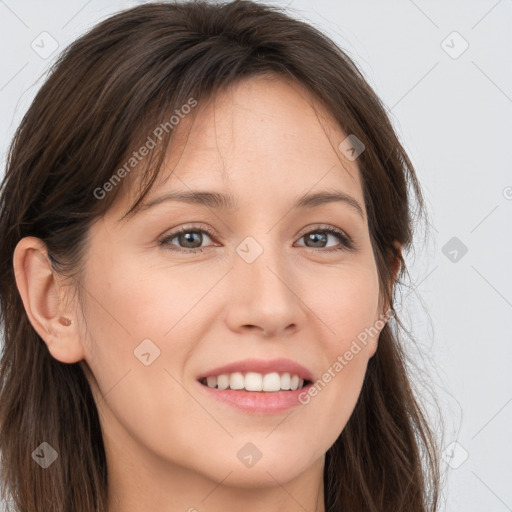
(255, 382)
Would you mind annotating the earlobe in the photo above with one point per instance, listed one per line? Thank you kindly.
(39, 288)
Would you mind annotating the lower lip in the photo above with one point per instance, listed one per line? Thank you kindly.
(265, 402)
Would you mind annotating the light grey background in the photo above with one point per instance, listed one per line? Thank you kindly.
(452, 109)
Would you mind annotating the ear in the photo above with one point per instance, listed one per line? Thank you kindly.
(394, 259)
(40, 289)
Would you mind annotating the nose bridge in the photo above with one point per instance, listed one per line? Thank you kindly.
(264, 282)
(262, 261)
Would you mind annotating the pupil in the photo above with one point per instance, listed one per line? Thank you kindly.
(315, 237)
(190, 236)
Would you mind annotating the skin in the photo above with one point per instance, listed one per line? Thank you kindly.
(169, 446)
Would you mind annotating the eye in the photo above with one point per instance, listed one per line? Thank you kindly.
(324, 232)
(191, 237)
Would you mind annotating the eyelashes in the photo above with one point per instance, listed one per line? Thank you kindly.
(346, 242)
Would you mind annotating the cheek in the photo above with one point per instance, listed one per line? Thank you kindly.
(123, 309)
(127, 302)
(349, 307)
(124, 306)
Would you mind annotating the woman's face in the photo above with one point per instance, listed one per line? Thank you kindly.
(266, 285)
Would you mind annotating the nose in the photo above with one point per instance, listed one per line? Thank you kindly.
(264, 293)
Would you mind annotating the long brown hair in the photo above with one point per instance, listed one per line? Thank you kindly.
(105, 95)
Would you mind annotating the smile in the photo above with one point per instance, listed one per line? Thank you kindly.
(253, 381)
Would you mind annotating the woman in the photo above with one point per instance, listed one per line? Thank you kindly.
(202, 219)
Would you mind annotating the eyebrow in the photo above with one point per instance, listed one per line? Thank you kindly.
(226, 201)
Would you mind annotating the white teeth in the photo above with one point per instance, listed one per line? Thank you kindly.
(236, 381)
(285, 381)
(223, 381)
(253, 381)
(272, 382)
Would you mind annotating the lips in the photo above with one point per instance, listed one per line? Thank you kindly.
(272, 398)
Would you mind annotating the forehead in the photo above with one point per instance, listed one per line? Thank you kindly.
(262, 136)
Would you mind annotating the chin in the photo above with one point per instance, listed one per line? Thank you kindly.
(273, 466)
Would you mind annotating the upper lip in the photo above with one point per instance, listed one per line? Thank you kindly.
(281, 365)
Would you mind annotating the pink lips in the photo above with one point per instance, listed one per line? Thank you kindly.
(259, 402)
(281, 365)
